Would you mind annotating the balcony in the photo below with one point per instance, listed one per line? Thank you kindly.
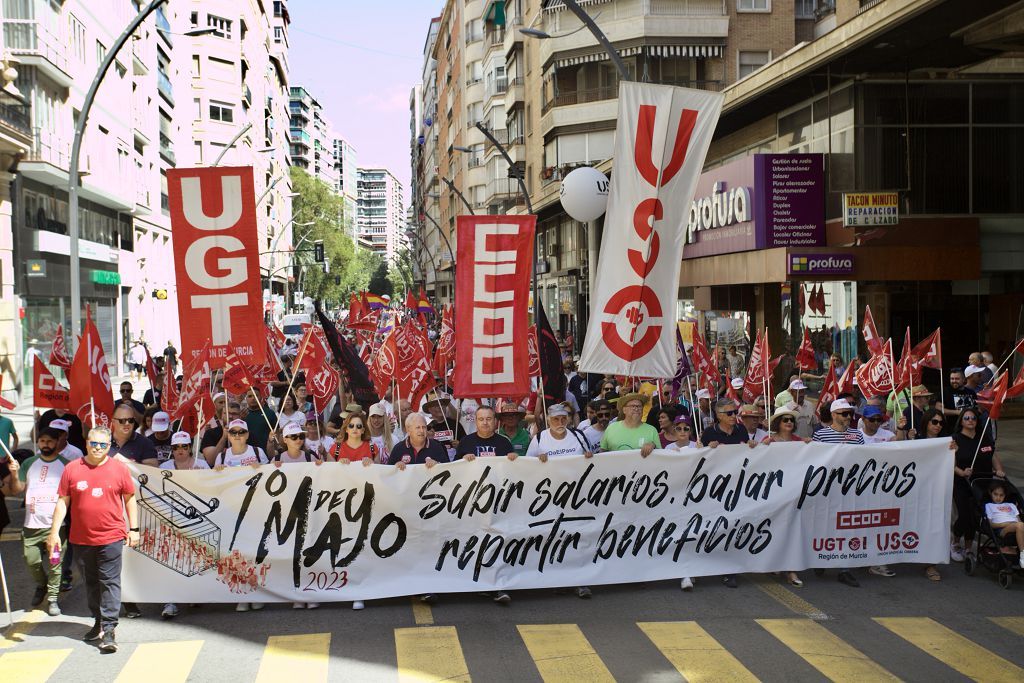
(163, 26)
(501, 189)
(247, 95)
(16, 116)
(495, 37)
(515, 94)
(49, 147)
(36, 45)
(496, 86)
(167, 150)
(164, 87)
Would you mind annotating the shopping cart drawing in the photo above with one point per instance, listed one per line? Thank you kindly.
(174, 529)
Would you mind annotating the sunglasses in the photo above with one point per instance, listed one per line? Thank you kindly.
(874, 419)
(98, 444)
(124, 420)
(969, 417)
(355, 426)
(730, 413)
(788, 419)
(844, 413)
(937, 422)
(604, 416)
(181, 447)
(683, 428)
(238, 432)
(296, 437)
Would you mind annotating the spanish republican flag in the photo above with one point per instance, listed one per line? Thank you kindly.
(423, 303)
(375, 301)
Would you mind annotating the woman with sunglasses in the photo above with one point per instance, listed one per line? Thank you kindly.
(182, 455)
(296, 447)
(783, 428)
(355, 446)
(975, 458)
(933, 426)
(682, 429)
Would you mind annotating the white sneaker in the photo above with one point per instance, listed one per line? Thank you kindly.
(881, 570)
(170, 611)
(257, 605)
(687, 584)
(298, 605)
(358, 604)
(956, 553)
(312, 605)
(1021, 562)
(242, 607)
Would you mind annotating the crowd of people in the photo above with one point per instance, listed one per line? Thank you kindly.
(597, 414)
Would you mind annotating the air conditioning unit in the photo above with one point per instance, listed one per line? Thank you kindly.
(552, 250)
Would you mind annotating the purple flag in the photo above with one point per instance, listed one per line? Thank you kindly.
(683, 369)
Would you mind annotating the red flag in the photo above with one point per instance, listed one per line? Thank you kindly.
(47, 392)
(59, 350)
(730, 391)
(904, 372)
(753, 382)
(353, 307)
(195, 386)
(445, 351)
(534, 346)
(151, 372)
(830, 389)
(276, 339)
(385, 362)
(928, 352)
(315, 352)
(410, 301)
(803, 301)
(844, 385)
(805, 359)
(875, 377)
(89, 378)
(703, 363)
(998, 396)
(322, 383)
(413, 375)
(4, 403)
(1017, 388)
(169, 395)
(874, 342)
(236, 379)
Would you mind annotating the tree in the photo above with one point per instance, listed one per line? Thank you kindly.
(319, 206)
(380, 283)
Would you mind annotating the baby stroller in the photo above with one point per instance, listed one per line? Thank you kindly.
(989, 539)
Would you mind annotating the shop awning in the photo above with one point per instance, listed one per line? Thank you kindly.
(595, 57)
(495, 13)
(685, 50)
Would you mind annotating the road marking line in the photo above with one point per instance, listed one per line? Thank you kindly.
(10, 535)
(297, 658)
(168, 662)
(16, 633)
(825, 651)
(788, 598)
(694, 652)
(421, 612)
(562, 653)
(1015, 624)
(953, 650)
(430, 653)
(31, 666)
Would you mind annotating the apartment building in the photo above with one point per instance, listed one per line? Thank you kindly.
(239, 84)
(380, 212)
(553, 103)
(346, 166)
(312, 140)
(169, 99)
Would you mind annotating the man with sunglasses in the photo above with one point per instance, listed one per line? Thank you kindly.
(602, 417)
(126, 399)
(874, 432)
(726, 431)
(841, 432)
(128, 444)
(99, 490)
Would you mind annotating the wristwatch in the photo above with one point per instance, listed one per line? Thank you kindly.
(134, 528)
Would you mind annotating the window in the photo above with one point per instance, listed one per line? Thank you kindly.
(198, 114)
(805, 9)
(221, 111)
(196, 71)
(101, 52)
(76, 35)
(753, 5)
(278, 34)
(193, 19)
(199, 152)
(220, 70)
(222, 26)
(751, 61)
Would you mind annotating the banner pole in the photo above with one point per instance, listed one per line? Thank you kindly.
(262, 411)
(199, 427)
(942, 387)
(978, 447)
(92, 411)
(295, 372)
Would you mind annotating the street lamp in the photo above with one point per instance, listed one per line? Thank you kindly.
(411, 234)
(192, 33)
(74, 175)
(588, 22)
(454, 189)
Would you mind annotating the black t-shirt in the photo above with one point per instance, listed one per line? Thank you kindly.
(152, 397)
(404, 449)
(211, 437)
(137, 448)
(283, 376)
(965, 449)
(172, 354)
(444, 433)
(161, 446)
(958, 399)
(739, 435)
(494, 445)
(75, 436)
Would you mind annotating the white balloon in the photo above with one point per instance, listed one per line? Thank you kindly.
(584, 193)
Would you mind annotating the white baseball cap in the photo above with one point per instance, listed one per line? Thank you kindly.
(161, 422)
(703, 393)
(292, 429)
(238, 424)
(840, 404)
(181, 439)
(797, 385)
(62, 425)
(737, 382)
(378, 409)
(972, 370)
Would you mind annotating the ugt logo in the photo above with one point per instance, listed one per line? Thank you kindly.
(643, 309)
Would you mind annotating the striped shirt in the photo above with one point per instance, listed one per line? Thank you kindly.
(829, 435)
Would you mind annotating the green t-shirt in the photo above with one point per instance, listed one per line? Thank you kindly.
(6, 429)
(782, 398)
(520, 440)
(259, 432)
(619, 437)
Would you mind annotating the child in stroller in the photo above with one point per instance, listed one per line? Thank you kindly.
(1004, 517)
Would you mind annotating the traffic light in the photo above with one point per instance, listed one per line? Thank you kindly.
(160, 294)
(318, 251)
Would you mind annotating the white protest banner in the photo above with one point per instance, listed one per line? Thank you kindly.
(661, 140)
(347, 532)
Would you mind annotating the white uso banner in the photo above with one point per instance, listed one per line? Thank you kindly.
(661, 141)
(344, 532)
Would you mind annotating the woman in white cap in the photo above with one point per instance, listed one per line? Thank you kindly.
(381, 435)
(296, 447)
(182, 455)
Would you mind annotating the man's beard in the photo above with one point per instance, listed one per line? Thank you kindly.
(47, 451)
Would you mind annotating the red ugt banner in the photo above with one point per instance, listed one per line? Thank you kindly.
(493, 289)
(48, 393)
(216, 260)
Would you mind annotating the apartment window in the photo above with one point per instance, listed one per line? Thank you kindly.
(805, 9)
(101, 52)
(750, 61)
(198, 113)
(76, 35)
(222, 26)
(278, 34)
(223, 112)
(199, 152)
(753, 5)
(196, 71)
(193, 19)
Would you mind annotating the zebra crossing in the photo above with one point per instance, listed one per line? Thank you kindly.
(561, 652)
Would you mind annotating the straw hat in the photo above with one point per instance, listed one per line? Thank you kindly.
(779, 414)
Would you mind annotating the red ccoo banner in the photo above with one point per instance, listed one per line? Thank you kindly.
(216, 260)
(493, 289)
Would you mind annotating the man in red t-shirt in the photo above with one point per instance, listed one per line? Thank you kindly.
(99, 491)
